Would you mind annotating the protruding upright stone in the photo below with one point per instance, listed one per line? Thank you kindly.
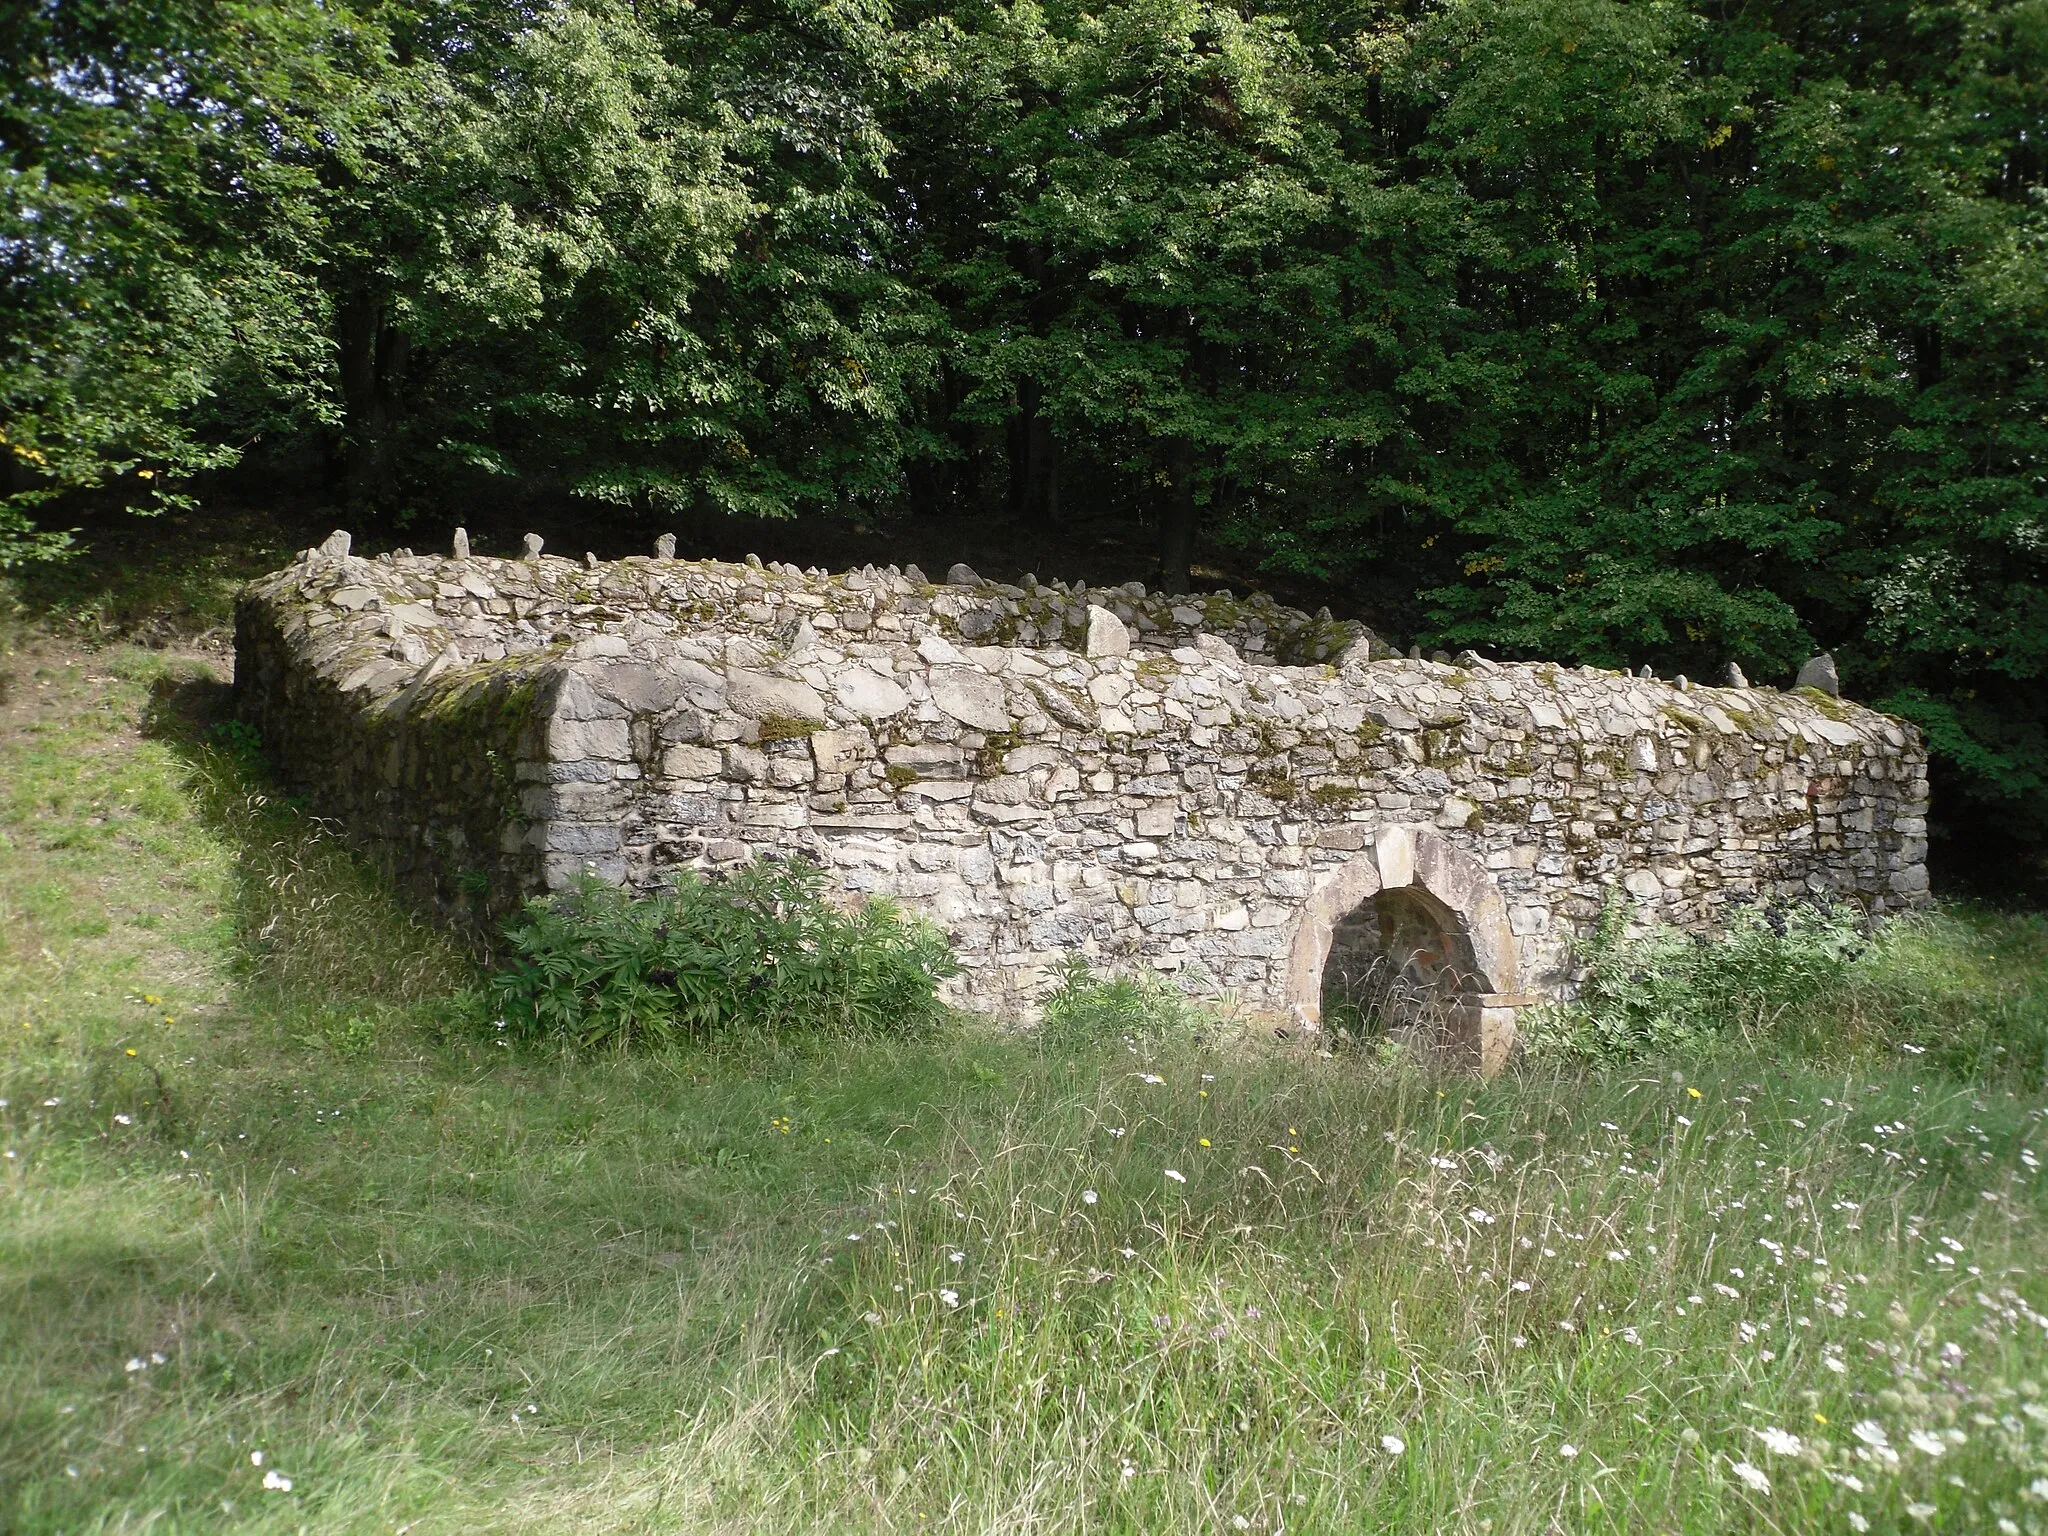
(665, 547)
(912, 573)
(962, 575)
(589, 560)
(534, 544)
(1415, 653)
(1819, 672)
(753, 561)
(1106, 633)
(462, 543)
(1731, 677)
(1647, 672)
(336, 543)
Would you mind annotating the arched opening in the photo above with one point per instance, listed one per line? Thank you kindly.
(1410, 935)
(1400, 964)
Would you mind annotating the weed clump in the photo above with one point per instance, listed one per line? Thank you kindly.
(1085, 1010)
(1670, 991)
(1956, 986)
(759, 950)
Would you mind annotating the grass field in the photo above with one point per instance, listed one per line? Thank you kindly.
(288, 1240)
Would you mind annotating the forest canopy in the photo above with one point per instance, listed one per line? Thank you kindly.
(1612, 331)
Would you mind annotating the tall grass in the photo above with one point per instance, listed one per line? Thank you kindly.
(1143, 1272)
(1963, 988)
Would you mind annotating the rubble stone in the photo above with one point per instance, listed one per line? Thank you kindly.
(1209, 802)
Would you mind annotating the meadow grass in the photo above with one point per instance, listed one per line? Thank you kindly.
(277, 1208)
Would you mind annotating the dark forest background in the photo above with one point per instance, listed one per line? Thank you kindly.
(1613, 331)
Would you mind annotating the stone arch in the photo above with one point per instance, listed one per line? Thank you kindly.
(1438, 884)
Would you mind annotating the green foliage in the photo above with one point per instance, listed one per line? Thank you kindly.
(1667, 991)
(1086, 1010)
(760, 950)
(155, 197)
(1594, 330)
(1958, 987)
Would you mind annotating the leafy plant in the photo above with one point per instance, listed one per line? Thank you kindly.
(1085, 1009)
(1666, 990)
(761, 950)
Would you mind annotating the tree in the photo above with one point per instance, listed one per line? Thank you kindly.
(152, 238)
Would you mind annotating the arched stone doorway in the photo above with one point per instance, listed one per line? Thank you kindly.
(1410, 935)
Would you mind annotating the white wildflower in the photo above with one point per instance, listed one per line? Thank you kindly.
(1753, 1476)
(956, 1257)
(1870, 1432)
(1857, 1522)
(1779, 1443)
(277, 1482)
(950, 1298)
(255, 1458)
(1393, 1445)
(1926, 1444)
(1567, 1450)
(1176, 1175)
(1920, 1511)
(1479, 1218)
(1151, 1077)
(1089, 1197)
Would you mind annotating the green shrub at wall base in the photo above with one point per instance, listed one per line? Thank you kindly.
(759, 950)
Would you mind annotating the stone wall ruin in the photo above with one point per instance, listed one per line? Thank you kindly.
(1220, 790)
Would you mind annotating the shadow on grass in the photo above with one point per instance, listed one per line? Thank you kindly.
(318, 928)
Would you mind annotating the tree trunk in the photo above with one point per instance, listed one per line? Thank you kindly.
(1034, 460)
(373, 357)
(1177, 525)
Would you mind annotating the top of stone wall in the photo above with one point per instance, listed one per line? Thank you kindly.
(1020, 661)
(488, 608)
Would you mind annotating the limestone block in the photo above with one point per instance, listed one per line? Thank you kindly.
(1109, 688)
(692, 763)
(773, 813)
(1107, 635)
(938, 790)
(869, 695)
(971, 697)
(766, 696)
(1819, 672)
(606, 740)
(745, 765)
(1155, 821)
(841, 751)
(568, 837)
(939, 760)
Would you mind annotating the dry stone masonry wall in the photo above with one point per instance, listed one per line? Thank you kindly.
(1205, 787)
